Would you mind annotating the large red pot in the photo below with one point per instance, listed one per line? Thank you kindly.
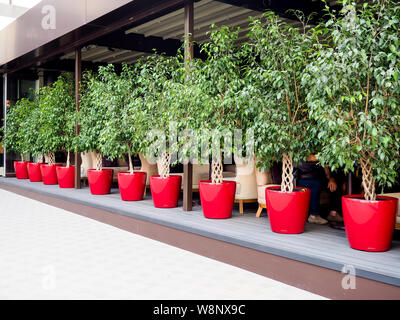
(287, 211)
(217, 199)
(66, 177)
(35, 174)
(49, 174)
(100, 181)
(165, 192)
(131, 186)
(369, 224)
(21, 169)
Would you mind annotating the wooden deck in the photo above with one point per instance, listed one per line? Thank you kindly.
(318, 245)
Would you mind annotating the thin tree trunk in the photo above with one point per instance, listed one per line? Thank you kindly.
(22, 157)
(368, 181)
(216, 170)
(68, 158)
(165, 163)
(130, 163)
(287, 173)
(52, 157)
(99, 161)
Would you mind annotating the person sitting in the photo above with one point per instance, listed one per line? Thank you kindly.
(308, 175)
(337, 187)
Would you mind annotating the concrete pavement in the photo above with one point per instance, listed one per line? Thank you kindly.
(49, 253)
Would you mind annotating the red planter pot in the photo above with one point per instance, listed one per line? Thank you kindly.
(66, 177)
(287, 211)
(35, 174)
(131, 186)
(369, 224)
(217, 199)
(100, 181)
(49, 174)
(165, 192)
(21, 169)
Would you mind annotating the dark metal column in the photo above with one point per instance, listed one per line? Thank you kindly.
(349, 183)
(78, 78)
(188, 168)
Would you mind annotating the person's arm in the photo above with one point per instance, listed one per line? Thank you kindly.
(331, 181)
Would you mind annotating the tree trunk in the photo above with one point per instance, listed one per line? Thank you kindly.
(216, 170)
(165, 163)
(52, 158)
(287, 173)
(99, 161)
(368, 181)
(22, 157)
(130, 163)
(68, 158)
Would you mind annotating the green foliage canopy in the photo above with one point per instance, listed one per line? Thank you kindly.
(354, 89)
(281, 53)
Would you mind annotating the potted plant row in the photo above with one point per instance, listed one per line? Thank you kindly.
(301, 89)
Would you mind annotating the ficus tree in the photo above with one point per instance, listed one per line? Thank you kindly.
(16, 137)
(57, 117)
(126, 126)
(31, 129)
(93, 114)
(161, 80)
(354, 91)
(216, 82)
(283, 129)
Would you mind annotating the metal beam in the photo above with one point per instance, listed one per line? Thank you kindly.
(189, 53)
(281, 7)
(68, 65)
(78, 78)
(138, 42)
(133, 13)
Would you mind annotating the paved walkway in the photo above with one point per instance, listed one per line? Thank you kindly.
(49, 253)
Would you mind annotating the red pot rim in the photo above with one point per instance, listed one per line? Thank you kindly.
(91, 170)
(51, 165)
(172, 176)
(131, 174)
(360, 198)
(278, 189)
(22, 161)
(217, 184)
(65, 167)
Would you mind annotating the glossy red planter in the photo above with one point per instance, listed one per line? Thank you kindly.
(21, 169)
(131, 186)
(287, 211)
(165, 192)
(66, 177)
(49, 174)
(217, 199)
(100, 181)
(369, 224)
(35, 174)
